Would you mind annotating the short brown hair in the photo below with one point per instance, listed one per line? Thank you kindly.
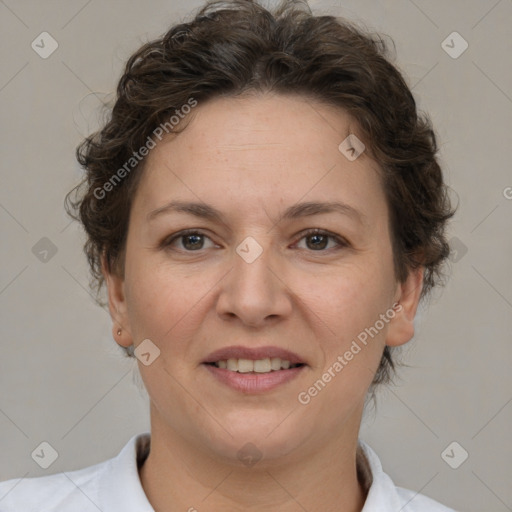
(234, 47)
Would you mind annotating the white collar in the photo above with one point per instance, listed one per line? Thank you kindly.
(123, 469)
(121, 488)
(114, 485)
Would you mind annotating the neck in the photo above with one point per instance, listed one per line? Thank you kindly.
(179, 476)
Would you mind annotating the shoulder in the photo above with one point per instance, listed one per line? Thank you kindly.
(110, 485)
(384, 496)
(77, 490)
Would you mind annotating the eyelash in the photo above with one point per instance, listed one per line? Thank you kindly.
(166, 243)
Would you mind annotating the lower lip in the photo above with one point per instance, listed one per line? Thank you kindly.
(254, 382)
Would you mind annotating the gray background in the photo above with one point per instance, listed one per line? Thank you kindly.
(64, 380)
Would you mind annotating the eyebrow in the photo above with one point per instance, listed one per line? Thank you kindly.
(306, 209)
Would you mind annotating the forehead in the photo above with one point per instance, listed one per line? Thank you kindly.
(266, 122)
(261, 147)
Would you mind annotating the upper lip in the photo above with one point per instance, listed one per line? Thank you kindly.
(241, 352)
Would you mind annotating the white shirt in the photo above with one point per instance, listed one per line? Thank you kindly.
(114, 486)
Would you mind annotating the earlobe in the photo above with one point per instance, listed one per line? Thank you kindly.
(117, 305)
(401, 327)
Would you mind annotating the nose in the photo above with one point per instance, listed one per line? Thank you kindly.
(255, 292)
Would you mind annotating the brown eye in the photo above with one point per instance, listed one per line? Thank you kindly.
(192, 242)
(187, 241)
(318, 240)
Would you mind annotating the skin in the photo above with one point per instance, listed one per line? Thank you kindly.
(241, 157)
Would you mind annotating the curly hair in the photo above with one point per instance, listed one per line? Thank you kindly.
(234, 47)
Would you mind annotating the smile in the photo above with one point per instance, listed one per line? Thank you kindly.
(265, 365)
(254, 377)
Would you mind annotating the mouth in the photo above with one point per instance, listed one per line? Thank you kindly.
(266, 365)
(254, 370)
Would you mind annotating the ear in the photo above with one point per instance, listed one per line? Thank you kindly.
(117, 305)
(407, 298)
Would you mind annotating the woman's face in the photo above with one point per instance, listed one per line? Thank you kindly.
(252, 276)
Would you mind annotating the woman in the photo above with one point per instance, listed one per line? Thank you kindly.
(266, 211)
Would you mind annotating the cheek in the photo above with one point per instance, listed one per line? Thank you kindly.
(167, 303)
(349, 298)
(156, 298)
(350, 335)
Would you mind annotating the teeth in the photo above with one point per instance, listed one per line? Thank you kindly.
(259, 366)
(245, 365)
(275, 363)
(232, 364)
(262, 365)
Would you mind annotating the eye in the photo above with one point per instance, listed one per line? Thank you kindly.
(191, 240)
(319, 240)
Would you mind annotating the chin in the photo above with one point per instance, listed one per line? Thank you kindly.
(256, 439)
